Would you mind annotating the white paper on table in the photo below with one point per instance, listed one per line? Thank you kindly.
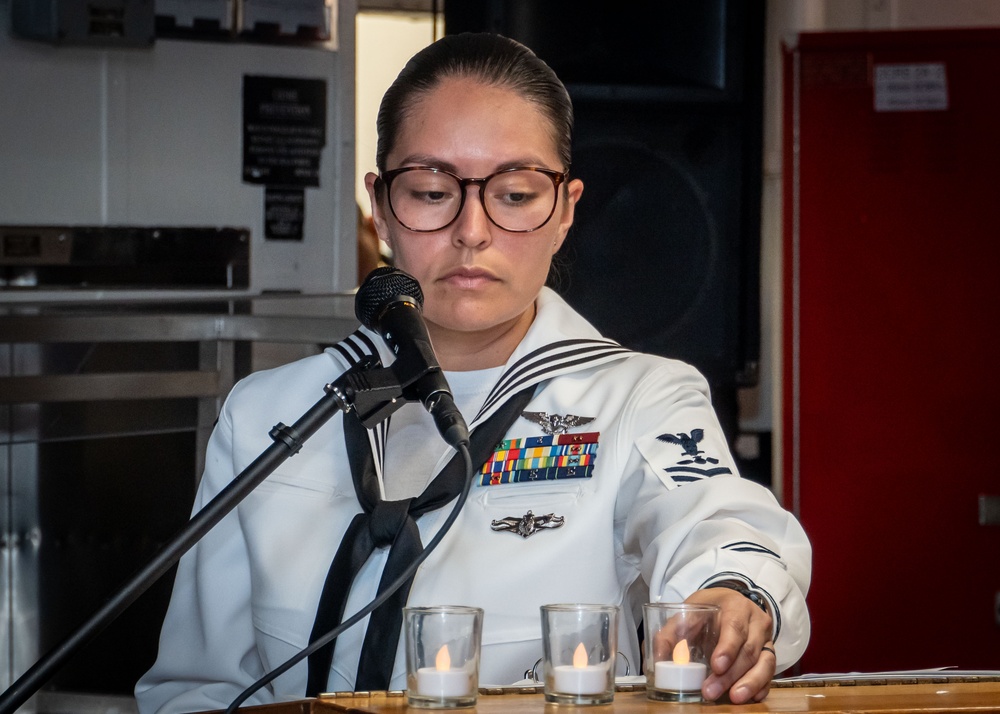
(932, 673)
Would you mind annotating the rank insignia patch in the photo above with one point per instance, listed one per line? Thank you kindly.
(695, 466)
(541, 458)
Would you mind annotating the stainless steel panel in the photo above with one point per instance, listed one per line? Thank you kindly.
(989, 510)
(96, 387)
(6, 568)
(23, 533)
(6, 510)
(61, 421)
(105, 413)
(25, 540)
(220, 357)
(176, 328)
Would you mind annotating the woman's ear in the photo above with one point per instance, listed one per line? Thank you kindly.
(574, 189)
(379, 219)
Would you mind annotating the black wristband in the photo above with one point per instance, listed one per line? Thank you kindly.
(752, 595)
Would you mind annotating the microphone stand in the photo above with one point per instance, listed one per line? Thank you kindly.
(373, 392)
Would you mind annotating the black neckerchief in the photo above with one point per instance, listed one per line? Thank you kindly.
(389, 524)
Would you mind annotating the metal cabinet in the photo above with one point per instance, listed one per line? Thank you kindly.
(105, 412)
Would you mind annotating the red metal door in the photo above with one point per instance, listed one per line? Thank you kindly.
(891, 406)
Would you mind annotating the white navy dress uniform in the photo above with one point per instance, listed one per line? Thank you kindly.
(652, 510)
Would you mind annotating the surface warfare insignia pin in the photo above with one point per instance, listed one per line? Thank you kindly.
(528, 524)
(556, 423)
(690, 469)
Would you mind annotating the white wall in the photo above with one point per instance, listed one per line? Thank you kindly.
(385, 42)
(153, 136)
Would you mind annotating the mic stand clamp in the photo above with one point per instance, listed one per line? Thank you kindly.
(372, 391)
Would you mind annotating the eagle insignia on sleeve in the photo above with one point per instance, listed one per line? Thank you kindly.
(686, 469)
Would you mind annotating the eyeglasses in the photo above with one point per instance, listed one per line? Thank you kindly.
(519, 200)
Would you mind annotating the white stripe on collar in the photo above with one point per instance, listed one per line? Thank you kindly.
(550, 361)
(547, 361)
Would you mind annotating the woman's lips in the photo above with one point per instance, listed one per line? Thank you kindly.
(469, 277)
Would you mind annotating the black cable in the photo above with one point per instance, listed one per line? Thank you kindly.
(333, 634)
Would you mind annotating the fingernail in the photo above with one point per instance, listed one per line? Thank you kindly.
(713, 690)
(722, 664)
(741, 694)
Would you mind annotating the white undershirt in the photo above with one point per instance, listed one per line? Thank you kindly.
(414, 445)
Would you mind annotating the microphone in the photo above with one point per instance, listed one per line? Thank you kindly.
(389, 302)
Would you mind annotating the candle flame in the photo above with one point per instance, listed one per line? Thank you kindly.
(442, 662)
(682, 653)
(580, 656)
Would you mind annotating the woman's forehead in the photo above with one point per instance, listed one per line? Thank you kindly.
(465, 118)
(460, 97)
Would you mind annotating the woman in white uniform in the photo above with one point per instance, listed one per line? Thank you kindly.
(636, 497)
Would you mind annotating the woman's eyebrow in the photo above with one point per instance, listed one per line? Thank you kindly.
(438, 163)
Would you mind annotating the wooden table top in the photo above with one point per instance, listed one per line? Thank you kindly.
(926, 697)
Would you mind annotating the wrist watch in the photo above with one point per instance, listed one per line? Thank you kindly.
(752, 595)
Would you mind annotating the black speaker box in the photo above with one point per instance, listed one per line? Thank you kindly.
(664, 252)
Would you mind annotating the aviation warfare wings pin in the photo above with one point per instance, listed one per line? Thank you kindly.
(556, 423)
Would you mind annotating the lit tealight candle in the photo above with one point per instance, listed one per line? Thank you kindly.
(680, 675)
(580, 677)
(441, 680)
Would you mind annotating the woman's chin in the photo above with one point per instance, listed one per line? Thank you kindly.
(481, 317)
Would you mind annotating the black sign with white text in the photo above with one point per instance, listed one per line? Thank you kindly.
(284, 130)
(284, 213)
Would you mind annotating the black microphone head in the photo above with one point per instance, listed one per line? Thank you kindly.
(381, 287)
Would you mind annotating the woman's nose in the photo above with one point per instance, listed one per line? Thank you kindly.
(472, 227)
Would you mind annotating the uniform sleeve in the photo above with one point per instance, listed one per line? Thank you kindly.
(690, 520)
(207, 653)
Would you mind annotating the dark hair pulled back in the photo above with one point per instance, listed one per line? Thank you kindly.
(488, 58)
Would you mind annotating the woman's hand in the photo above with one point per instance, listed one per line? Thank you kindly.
(743, 662)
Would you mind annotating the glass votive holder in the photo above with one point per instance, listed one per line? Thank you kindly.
(679, 641)
(442, 655)
(579, 646)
